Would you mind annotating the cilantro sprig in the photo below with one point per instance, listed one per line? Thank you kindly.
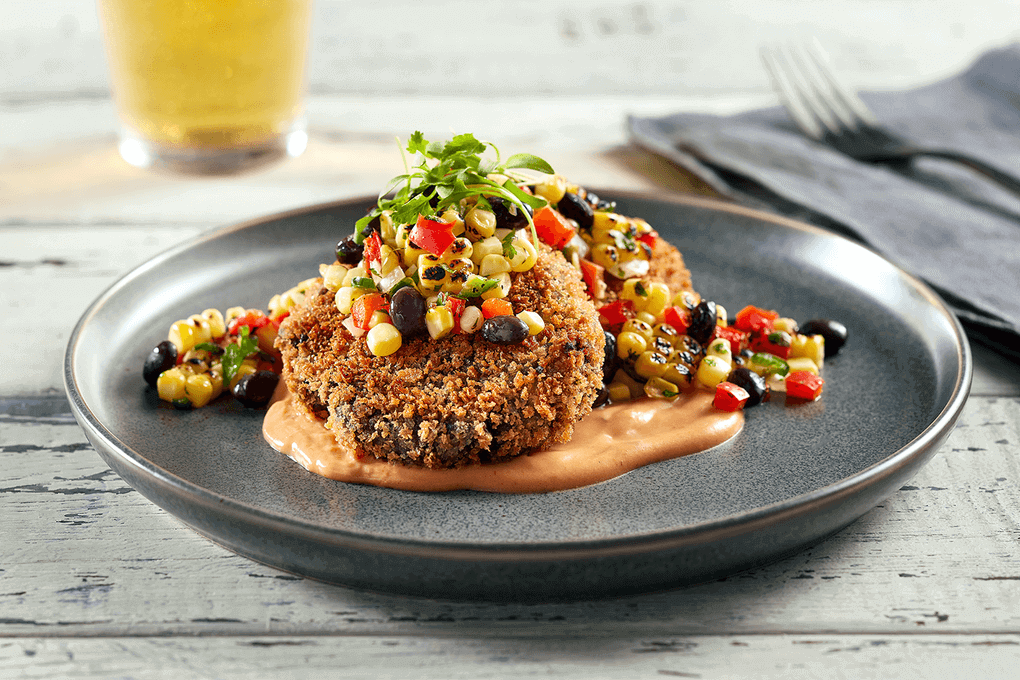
(235, 353)
(449, 172)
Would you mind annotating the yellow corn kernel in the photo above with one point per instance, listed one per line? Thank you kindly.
(525, 253)
(431, 277)
(660, 388)
(246, 368)
(387, 229)
(605, 255)
(686, 300)
(353, 273)
(618, 391)
(170, 384)
(480, 223)
(493, 264)
(401, 236)
(182, 334)
(603, 223)
(640, 327)
(217, 327)
(552, 188)
(810, 346)
(471, 319)
(487, 246)
(411, 254)
(439, 321)
(720, 348)
(345, 298)
(802, 364)
(535, 322)
(650, 364)
(233, 313)
(461, 249)
(199, 389)
(647, 317)
(664, 330)
(333, 276)
(216, 378)
(658, 298)
(630, 344)
(721, 317)
(636, 291)
(452, 217)
(378, 317)
(784, 324)
(203, 332)
(713, 370)
(275, 307)
(388, 260)
(678, 374)
(502, 288)
(383, 339)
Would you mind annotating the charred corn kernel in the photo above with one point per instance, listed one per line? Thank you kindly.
(432, 277)
(170, 384)
(353, 273)
(810, 346)
(636, 291)
(233, 313)
(388, 260)
(203, 332)
(459, 250)
(493, 264)
(182, 334)
(664, 330)
(784, 324)
(658, 298)
(378, 317)
(603, 223)
(552, 188)
(333, 276)
(480, 223)
(452, 217)
(199, 389)
(501, 289)
(455, 284)
(721, 318)
(802, 364)
(525, 254)
(686, 300)
(605, 255)
(246, 368)
(387, 229)
(487, 246)
(647, 317)
(383, 339)
(534, 320)
(217, 327)
(618, 391)
(460, 264)
(439, 321)
(659, 388)
(678, 374)
(197, 359)
(216, 377)
(640, 226)
(650, 364)
(661, 346)
(630, 344)
(471, 319)
(401, 236)
(713, 370)
(640, 327)
(720, 348)
(411, 254)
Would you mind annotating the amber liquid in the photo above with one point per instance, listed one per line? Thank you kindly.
(207, 74)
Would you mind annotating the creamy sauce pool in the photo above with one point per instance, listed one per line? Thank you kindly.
(607, 443)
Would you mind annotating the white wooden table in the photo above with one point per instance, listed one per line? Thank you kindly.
(95, 581)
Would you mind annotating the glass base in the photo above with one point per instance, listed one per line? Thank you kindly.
(143, 153)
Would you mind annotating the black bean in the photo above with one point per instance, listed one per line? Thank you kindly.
(602, 397)
(505, 329)
(573, 207)
(256, 389)
(348, 251)
(508, 215)
(407, 310)
(609, 362)
(753, 383)
(163, 357)
(834, 332)
(703, 321)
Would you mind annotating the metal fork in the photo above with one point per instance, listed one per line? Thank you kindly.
(826, 111)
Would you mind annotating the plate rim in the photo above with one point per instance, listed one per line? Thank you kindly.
(703, 532)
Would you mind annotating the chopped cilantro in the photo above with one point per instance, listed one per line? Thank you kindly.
(235, 353)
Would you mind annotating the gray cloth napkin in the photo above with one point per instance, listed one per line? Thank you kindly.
(939, 221)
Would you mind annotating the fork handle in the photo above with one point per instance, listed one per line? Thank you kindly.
(999, 177)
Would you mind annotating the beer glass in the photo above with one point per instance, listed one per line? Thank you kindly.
(208, 86)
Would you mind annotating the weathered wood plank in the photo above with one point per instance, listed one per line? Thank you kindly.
(484, 655)
(84, 555)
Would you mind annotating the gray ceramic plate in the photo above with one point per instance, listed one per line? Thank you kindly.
(794, 475)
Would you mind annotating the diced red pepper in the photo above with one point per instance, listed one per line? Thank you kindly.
(736, 337)
(678, 318)
(752, 318)
(649, 239)
(432, 236)
(373, 249)
(364, 307)
(553, 228)
(771, 342)
(456, 306)
(594, 277)
(730, 397)
(804, 385)
(496, 307)
(254, 320)
(615, 312)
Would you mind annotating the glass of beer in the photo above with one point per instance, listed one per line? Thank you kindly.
(208, 86)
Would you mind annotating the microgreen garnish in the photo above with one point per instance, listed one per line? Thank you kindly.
(450, 172)
(640, 289)
(509, 251)
(235, 353)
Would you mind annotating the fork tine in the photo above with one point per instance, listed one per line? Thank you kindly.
(816, 95)
(790, 95)
(858, 112)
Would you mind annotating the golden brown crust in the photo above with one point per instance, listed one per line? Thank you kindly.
(458, 400)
